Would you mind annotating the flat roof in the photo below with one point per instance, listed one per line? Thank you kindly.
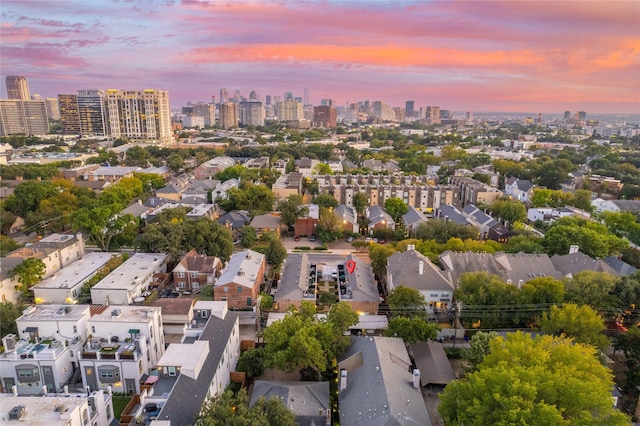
(76, 272)
(42, 410)
(127, 313)
(41, 313)
(126, 276)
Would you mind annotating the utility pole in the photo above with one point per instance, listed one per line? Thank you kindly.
(456, 322)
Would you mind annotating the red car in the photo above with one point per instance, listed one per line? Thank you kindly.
(296, 238)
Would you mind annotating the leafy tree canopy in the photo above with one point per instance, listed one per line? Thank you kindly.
(580, 323)
(229, 409)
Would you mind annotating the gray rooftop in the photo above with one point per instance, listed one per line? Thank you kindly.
(432, 361)
(413, 216)
(404, 270)
(309, 401)
(361, 282)
(449, 212)
(622, 268)
(188, 395)
(379, 388)
(294, 278)
(571, 264)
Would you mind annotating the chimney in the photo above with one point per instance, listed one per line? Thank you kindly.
(421, 267)
(574, 249)
(343, 379)
(416, 378)
(411, 247)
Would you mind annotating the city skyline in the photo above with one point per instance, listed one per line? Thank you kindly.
(476, 56)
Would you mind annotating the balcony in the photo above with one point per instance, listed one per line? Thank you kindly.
(97, 349)
(44, 349)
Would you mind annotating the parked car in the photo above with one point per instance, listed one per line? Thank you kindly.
(349, 239)
(296, 238)
(312, 238)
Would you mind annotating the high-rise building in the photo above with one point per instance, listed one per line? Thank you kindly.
(432, 115)
(445, 114)
(399, 112)
(267, 99)
(251, 113)
(289, 110)
(253, 96)
(92, 113)
(53, 111)
(23, 117)
(143, 116)
(383, 111)
(326, 102)
(36, 97)
(582, 115)
(68, 105)
(228, 115)
(324, 116)
(224, 96)
(307, 97)
(17, 87)
(409, 109)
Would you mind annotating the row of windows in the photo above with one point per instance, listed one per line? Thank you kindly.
(109, 374)
(181, 274)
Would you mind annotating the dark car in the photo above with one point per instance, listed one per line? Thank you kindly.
(312, 238)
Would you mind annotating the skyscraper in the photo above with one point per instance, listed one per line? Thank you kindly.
(92, 113)
(289, 110)
(228, 115)
(143, 116)
(307, 97)
(433, 115)
(324, 116)
(567, 115)
(53, 111)
(17, 87)
(253, 96)
(251, 113)
(69, 115)
(408, 109)
(23, 117)
(224, 96)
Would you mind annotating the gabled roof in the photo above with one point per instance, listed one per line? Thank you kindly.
(136, 209)
(361, 282)
(345, 212)
(195, 262)
(459, 263)
(622, 268)
(266, 221)
(627, 205)
(377, 214)
(188, 395)
(449, 212)
(294, 278)
(526, 266)
(479, 217)
(404, 270)
(237, 218)
(379, 389)
(413, 216)
(308, 401)
(432, 361)
(243, 269)
(522, 184)
(571, 264)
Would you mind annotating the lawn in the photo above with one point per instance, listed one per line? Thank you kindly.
(119, 404)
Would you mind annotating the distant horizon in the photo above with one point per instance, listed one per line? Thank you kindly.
(512, 56)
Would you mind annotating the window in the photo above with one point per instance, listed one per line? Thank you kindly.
(181, 274)
(46, 370)
(85, 417)
(171, 371)
(226, 289)
(93, 328)
(108, 412)
(239, 290)
(25, 373)
(248, 301)
(181, 284)
(433, 295)
(223, 298)
(109, 374)
(194, 275)
(75, 329)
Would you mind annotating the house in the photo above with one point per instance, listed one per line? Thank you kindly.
(201, 190)
(377, 386)
(240, 281)
(473, 191)
(43, 354)
(210, 211)
(257, 163)
(360, 289)
(125, 342)
(294, 286)
(287, 184)
(213, 167)
(432, 361)
(307, 225)
(111, 174)
(519, 189)
(94, 409)
(309, 401)
(197, 369)
(549, 214)
(621, 268)
(177, 314)
(306, 165)
(234, 221)
(482, 221)
(632, 206)
(55, 250)
(449, 212)
(414, 270)
(222, 188)
(576, 261)
(514, 269)
(129, 280)
(137, 210)
(379, 219)
(195, 270)
(267, 223)
(66, 285)
(412, 219)
(348, 217)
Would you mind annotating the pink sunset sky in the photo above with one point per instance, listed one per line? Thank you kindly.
(538, 56)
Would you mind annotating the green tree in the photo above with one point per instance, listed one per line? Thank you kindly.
(360, 202)
(322, 169)
(442, 231)
(593, 238)
(251, 362)
(7, 245)
(580, 323)
(406, 301)
(229, 409)
(629, 343)
(275, 255)
(175, 162)
(27, 196)
(396, 208)
(542, 381)
(28, 273)
(592, 288)
(326, 201)
(248, 236)
(542, 290)
(341, 317)
(412, 329)
(7, 219)
(509, 210)
(378, 253)
(105, 227)
(479, 347)
(291, 208)
(9, 313)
